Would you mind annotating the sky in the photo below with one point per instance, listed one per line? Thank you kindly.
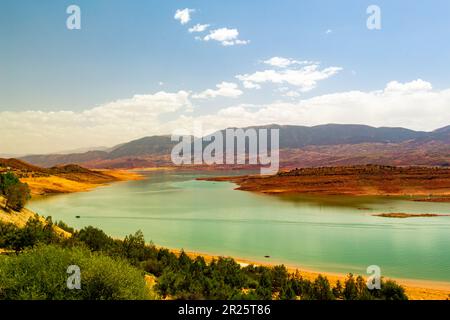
(137, 68)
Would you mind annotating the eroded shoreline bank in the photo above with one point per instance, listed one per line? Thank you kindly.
(416, 183)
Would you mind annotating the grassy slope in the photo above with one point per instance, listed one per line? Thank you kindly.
(54, 184)
(62, 183)
(62, 179)
(20, 218)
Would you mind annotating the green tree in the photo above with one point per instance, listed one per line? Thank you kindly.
(16, 193)
(337, 290)
(287, 292)
(95, 239)
(34, 232)
(264, 289)
(134, 248)
(6, 180)
(321, 289)
(279, 278)
(390, 290)
(350, 288)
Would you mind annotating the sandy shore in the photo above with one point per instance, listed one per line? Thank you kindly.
(415, 289)
(55, 185)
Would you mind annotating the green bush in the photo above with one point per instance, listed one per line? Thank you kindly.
(95, 239)
(41, 273)
(64, 226)
(15, 192)
(114, 269)
(390, 290)
(34, 232)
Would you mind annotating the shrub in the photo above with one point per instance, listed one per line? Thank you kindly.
(95, 239)
(321, 289)
(41, 273)
(390, 290)
(64, 226)
(34, 232)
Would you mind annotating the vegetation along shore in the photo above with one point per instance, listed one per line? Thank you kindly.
(130, 268)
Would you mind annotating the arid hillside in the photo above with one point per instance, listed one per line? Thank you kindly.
(62, 179)
(432, 184)
(20, 218)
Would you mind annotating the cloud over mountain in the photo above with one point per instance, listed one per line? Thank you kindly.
(413, 105)
(224, 89)
(304, 78)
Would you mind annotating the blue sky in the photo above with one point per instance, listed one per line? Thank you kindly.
(134, 47)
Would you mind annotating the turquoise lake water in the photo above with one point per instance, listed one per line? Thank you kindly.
(330, 234)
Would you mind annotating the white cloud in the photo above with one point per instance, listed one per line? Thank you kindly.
(250, 85)
(413, 86)
(183, 15)
(199, 28)
(328, 31)
(292, 94)
(305, 78)
(282, 89)
(226, 36)
(107, 124)
(287, 92)
(224, 89)
(416, 108)
(412, 105)
(280, 62)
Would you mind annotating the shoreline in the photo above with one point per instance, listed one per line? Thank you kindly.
(416, 289)
(55, 185)
(416, 183)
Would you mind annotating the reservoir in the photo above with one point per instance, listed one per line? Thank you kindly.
(328, 233)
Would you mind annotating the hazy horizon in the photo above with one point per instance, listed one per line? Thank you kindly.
(106, 148)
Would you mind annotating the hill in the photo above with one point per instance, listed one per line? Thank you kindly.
(62, 179)
(429, 184)
(323, 145)
(338, 134)
(20, 218)
(144, 152)
(19, 165)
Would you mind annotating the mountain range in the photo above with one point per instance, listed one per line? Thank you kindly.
(300, 146)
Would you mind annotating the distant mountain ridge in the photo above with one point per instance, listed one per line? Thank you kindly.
(321, 139)
(333, 134)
